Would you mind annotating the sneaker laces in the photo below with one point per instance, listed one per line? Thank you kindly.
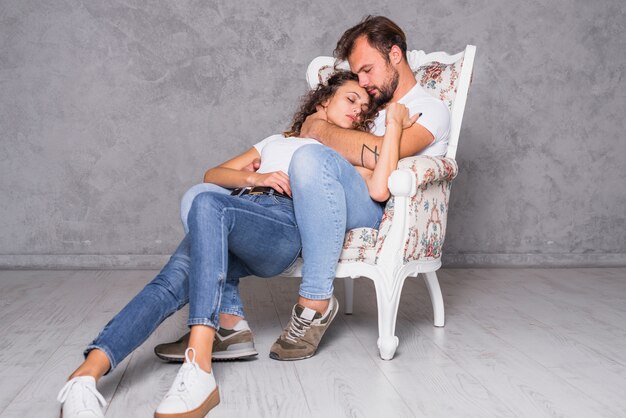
(181, 384)
(64, 393)
(297, 328)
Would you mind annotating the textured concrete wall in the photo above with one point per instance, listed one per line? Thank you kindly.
(110, 110)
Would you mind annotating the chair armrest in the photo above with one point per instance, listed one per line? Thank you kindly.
(425, 169)
(402, 182)
(414, 222)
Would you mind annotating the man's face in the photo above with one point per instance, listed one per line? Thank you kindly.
(376, 74)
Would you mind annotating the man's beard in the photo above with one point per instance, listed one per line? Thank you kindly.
(387, 90)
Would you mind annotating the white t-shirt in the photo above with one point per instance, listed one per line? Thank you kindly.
(435, 117)
(276, 152)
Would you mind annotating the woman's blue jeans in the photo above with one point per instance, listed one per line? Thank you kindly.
(330, 198)
(229, 237)
(187, 200)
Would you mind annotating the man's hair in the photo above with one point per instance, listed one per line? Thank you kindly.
(381, 33)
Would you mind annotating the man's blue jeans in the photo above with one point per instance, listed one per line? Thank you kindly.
(229, 237)
(330, 197)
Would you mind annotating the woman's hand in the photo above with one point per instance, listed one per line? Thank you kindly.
(277, 180)
(399, 114)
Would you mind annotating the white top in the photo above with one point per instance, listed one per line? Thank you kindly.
(435, 117)
(276, 152)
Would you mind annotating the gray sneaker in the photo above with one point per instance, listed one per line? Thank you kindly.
(303, 333)
(229, 344)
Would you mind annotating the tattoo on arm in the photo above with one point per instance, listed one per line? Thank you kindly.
(373, 151)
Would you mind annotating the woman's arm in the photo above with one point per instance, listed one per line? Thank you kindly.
(232, 174)
(397, 119)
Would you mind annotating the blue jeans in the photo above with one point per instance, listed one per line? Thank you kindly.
(330, 197)
(231, 302)
(190, 195)
(229, 237)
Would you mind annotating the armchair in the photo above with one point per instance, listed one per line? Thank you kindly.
(411, 234)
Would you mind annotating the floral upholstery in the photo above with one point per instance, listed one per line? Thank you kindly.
(429, 207)
(428, 210)
(440, 79)
(359, 245)
(324, 73)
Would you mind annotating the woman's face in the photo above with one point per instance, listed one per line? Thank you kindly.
(346, 105)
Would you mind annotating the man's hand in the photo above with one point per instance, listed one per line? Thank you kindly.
(277, 180)
(253, 166)
(307, 130)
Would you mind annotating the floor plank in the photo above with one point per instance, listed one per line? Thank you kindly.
(525, 385)
(261, 387)
(536, 330)
(351, 384)
(517, 342)
(111, 291)
(38, 323)
(430, 380)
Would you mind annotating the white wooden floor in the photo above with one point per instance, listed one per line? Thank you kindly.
(523, 342)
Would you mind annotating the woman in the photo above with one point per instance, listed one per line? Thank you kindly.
(252, 232)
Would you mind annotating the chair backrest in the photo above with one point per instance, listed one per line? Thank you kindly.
(447, 77)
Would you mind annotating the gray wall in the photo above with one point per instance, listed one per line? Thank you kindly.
(110, 110)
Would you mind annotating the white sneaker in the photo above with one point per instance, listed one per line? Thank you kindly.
(80, 398)
(193, 394)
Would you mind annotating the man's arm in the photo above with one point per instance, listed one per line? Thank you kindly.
(359, 148)
(362, 148)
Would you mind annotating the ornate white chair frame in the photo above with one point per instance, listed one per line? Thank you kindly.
(391, 264)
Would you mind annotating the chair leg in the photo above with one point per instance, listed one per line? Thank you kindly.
(388, 300)
(432, 283)
(348, 285)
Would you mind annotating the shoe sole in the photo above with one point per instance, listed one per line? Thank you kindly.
(222, 356)
(200, 412)
(275, 356)
(235, 355)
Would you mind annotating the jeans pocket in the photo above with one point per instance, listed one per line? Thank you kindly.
(274, 200)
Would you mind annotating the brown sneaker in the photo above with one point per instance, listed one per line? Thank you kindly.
(234, 344)
(229, 344)
(302, 335)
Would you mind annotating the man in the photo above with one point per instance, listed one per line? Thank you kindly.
(376, 51)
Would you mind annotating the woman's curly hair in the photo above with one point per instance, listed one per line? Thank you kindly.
(326, 91)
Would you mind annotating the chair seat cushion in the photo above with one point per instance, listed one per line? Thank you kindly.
(359, 245)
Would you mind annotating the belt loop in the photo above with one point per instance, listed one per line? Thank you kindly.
(243, 189)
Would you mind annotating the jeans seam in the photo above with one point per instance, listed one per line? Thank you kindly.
(327, 161)
(213, 307)
(232, 311)
(221, 278)
(262, 216)
(203, 321)
(313, 296)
